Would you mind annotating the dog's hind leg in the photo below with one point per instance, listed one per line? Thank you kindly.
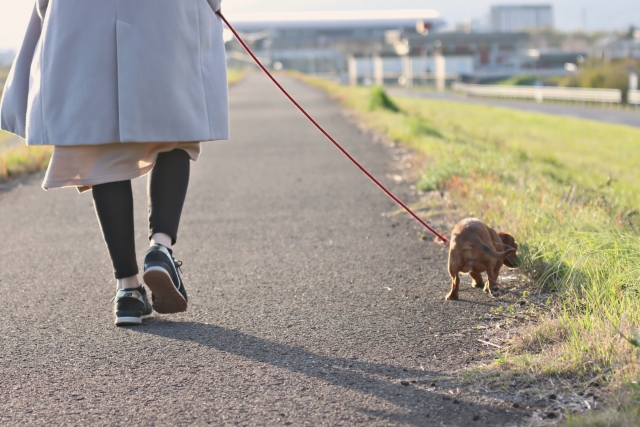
(455, 285)
(492, 283)
(478, 282)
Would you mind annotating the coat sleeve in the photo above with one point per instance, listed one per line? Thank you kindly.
(42, 7)
(15, 99)
(215, 4)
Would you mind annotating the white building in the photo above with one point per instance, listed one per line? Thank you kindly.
(515, 18)
(321, 42)
(620, 47)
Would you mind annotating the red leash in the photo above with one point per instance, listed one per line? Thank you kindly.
(337, 145)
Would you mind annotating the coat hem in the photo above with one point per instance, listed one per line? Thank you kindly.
(119, 142)
(87, 183)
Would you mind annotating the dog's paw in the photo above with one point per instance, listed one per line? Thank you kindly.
(477, 285)
(451, 297)
(494, 292)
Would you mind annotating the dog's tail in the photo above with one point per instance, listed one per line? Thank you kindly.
(487, 250)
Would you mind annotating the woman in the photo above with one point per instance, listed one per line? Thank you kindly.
(122, 88)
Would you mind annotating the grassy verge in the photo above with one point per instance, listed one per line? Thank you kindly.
(569, 190)
(21, 160)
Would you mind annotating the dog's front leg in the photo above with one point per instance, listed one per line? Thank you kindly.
(455, 285)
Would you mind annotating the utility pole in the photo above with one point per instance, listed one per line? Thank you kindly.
(441, 67)
(378, 70)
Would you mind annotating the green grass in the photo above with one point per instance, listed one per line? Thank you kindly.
(235, 75)
(569, 191)
(526, 80)
(519, 81)
(19, 161)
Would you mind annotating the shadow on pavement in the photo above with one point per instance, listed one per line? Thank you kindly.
(376, 379)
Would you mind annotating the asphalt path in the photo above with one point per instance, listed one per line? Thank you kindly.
(308, 305)
(615, 115)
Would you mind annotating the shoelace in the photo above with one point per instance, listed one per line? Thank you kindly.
(178, 265)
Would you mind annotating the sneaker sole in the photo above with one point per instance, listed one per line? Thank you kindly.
(167, 299)
(124, 321)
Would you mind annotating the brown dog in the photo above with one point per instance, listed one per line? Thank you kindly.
(476, 248)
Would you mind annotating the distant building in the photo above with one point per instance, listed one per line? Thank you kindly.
(516, 18)
(619, 48)
(321, 42)
(493, 55)
(387, 46)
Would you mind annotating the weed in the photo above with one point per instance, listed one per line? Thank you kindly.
(235, 75)
(378, 99)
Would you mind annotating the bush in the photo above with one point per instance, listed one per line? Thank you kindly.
(606, 75)
(378, 99)
(520, 81)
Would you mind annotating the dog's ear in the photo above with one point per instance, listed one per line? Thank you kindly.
(509, 242)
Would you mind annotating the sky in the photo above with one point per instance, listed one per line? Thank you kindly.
(569, 14)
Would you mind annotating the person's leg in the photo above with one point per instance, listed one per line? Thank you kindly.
(114, 206)
(168, 183)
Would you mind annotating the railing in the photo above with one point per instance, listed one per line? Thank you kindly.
(540, 94)
(633, 97)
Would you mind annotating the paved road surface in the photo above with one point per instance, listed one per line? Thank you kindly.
(308, 306)
(629, 117)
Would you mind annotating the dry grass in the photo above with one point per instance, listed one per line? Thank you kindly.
(16, 162)
(4, 73)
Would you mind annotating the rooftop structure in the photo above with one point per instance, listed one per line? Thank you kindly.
(320, 42)
(342, 20)
(516, 18)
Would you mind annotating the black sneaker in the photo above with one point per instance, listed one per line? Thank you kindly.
(131, 306)
(162, 277)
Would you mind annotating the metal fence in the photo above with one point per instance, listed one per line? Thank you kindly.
(540, 94)
(407, 70)
(633, 97)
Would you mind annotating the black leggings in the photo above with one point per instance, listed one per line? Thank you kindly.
(168, 182)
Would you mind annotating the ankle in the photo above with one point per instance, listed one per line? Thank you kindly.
(162, 239)
(129, 283)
